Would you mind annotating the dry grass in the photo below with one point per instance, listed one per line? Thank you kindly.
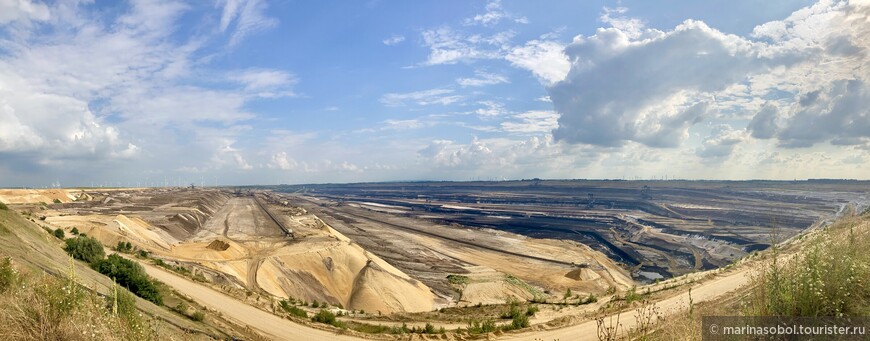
(44, 307)
(827, 275)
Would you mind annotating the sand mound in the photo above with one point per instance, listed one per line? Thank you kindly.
(583, 274)
(35, 196)
(218, 245)
(210, 251)
(141, 231)
(341, 272)
(376, 289)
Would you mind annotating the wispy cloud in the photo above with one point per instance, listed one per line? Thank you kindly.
(425, 97)
(249, 16)
(393, 40)
(493, 14)
(482, 78)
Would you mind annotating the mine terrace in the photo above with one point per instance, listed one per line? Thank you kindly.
(654, 229)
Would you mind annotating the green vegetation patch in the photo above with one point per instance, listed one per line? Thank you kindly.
(457, 279)
(129, 275)
(327, 317)
(85, 249)
(292, 309)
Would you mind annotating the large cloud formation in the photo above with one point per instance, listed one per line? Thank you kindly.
(800, 81)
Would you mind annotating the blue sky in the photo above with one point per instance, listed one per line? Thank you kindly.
(266, 92)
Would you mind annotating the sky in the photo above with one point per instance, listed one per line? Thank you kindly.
(231, 92)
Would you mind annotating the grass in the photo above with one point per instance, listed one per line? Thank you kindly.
(44, 307)
(457, 279)
(827, 276)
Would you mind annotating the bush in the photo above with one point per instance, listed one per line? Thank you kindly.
(197, 316)
(477, 327)
(58, 233)
(8, 274)
(293, 310)
(3, 206)
(520, 321)
(124, 247)
(129, 275)
(632, 295)
(85, 249)
(531, 311)
(324, 316)
(74, 231)
(315, 304)
(57, 201)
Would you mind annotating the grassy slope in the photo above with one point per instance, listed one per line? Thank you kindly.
(823, 273)
(33, 249)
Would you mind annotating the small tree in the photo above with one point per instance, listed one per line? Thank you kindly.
(74, 231)
(59, 233)
(85, 249)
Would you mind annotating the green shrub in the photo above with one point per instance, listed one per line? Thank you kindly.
(197, 316)
(124, 247)
(324, 316)
(531, 311)
(514, 311)
(293, 310)
(477, 327)
(520, 321)
(129, 275)
(632, 295)
(85, 248)
(58, 233)
(8, 274)
(589, 299)
(3, 206)
(315, 304)
(74, 231)
(57, 201)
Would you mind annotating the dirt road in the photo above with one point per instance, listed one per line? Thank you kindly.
(270, 325)
(588, 330)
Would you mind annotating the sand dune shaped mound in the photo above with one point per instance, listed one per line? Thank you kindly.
(376, 289)
(342, 272)
(583, 274)
(141, 231)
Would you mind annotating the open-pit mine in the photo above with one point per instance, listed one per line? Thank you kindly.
(400, 249)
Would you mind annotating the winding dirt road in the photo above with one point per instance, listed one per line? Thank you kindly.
(270, 325)
(588, 330)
